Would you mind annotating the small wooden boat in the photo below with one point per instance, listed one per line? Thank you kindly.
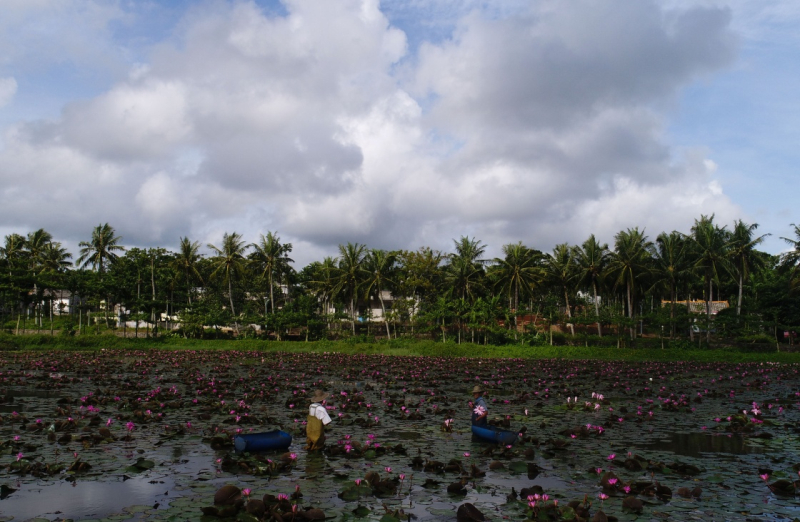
(495, 434)
(266, 441)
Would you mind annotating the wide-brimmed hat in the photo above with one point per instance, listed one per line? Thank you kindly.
(318, 396)
(477, 389)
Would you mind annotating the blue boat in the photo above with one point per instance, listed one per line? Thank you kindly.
(495, 434)
(267, 441)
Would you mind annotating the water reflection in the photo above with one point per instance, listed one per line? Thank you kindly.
(701, 444)
(82, 499)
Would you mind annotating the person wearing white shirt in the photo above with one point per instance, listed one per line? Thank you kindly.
(317, 419)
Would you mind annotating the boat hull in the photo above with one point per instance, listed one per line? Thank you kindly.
(495, 434)
(266, 441)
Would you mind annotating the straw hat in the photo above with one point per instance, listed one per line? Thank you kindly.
(318, 396)
(477, 389)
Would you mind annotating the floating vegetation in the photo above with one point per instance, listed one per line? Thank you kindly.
(149, 435)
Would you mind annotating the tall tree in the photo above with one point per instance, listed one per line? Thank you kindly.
(100, 251)
(629, 263)
(742, 253)
(13, 251)
(322, 282)
(671, 266)
(592, 260)
(791, 258)
(53, 263)
(271, 259)
(35, 244)
(561, 272)
(710, 254)
(518, 272)
(381, 268)
(229, 263)
(350, 275)
(420, 278)
(186, 264)
(464, 271)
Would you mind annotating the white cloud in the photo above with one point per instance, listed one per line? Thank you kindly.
(541, 124)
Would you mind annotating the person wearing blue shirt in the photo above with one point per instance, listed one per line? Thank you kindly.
(479, 408)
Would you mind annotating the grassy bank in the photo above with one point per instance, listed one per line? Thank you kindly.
(395, 347)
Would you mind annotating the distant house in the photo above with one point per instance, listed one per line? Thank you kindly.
(64, 301)
(699, 307)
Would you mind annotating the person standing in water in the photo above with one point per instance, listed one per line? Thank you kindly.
(479, 409)
(317, 419)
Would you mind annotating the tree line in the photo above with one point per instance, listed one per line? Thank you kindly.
(639, 287)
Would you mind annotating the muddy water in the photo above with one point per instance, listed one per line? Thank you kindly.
(411, 398)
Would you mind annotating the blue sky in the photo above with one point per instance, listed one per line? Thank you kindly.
(396, 124)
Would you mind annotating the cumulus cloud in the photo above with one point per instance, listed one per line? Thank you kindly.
(541, 124)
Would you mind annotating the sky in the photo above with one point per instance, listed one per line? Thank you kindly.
(397, 123)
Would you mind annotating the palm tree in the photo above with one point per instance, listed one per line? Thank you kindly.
(229, 262)
(381, 266)
(351, 275)
(742, 253)
(592, 260)
(271, 258)
(561, 272)
(464, 270)
(629, 262)
(671, 266)
(35, 244)
(186, 262)
(99, 251)
(53, 260)
(710, 252)
(792, 257)
(322, 282)
(519, 271)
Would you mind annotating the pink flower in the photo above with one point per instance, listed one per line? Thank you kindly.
(388, 469)
(130, 426)
(612, 481)
(466, 453)
(402, 477)
(293, 456)
(603, 496)
(612, 456)
(764, 477)
(19, 456)
(246, 492)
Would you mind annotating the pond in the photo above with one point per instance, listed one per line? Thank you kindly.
(148, 436)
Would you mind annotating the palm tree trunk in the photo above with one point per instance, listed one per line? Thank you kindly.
(630, 310)
(569, 313)
(516, 310)
(233, 311)
(739, 303)
(271, 297)
(708, 311)
(673, 296)
(385, 321)
(353, 314)
(597, 309)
